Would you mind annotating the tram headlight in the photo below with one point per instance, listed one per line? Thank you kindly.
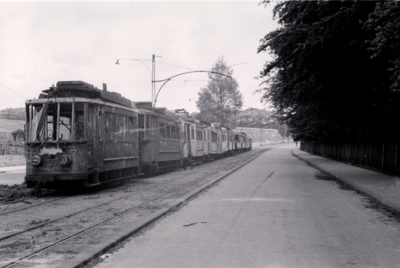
(65, 160)
(36, 160)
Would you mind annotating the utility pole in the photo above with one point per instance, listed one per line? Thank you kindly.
(153, 78)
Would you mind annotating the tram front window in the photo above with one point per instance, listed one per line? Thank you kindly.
(54, 122)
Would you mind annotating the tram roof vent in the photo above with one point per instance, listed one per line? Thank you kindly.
(144, 105)
(160, 109)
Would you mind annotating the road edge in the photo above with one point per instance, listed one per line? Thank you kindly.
(351, 186)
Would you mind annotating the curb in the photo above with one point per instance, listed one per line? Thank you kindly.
(95, 252)
(351, 186)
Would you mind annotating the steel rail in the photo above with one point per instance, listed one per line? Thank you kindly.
(133, 209)
(72, 214)
(127, 211)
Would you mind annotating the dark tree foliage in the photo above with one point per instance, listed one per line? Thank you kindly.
(384, 22)
(331, 79)
(19, 133)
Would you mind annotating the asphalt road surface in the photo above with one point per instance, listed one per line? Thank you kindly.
(14, 177)
(275, 212)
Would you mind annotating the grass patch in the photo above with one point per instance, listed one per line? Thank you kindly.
(10, 193)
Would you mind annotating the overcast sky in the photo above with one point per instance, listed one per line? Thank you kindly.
(46, 42)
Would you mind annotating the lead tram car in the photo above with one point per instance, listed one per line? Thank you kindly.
(78, 135)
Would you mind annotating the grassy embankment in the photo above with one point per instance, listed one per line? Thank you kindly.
(10, 126)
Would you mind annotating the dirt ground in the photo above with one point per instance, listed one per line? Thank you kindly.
(66, 214)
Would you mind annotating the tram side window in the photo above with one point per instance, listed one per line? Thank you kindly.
(213, 137)
(91, 122)
(199, 135)
(109, 126)
(131, 128)
(168, 131)
(79, 121)
(162, 130)
(118, 133)
(192, 131)
(148, 125)
(99, 126)
(121, 127)
(173, 131)
(124, 127)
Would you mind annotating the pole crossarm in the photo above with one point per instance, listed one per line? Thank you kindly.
(170, 78)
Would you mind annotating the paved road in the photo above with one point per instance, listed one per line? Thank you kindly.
(274, 212)
(12, 175)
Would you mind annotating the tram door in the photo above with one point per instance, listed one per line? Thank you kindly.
(141, 136)
(187, 137)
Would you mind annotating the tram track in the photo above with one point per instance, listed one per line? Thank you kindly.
(85, 230)
(160, 191)
(35, 231)
(28, 207)
(71, 214)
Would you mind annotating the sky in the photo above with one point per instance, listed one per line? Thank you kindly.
(46, 42)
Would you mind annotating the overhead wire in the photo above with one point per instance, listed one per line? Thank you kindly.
(13, 91)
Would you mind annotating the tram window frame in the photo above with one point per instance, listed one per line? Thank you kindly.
(168, 131)
(50, 125)
(79, 121)
(173, 131)
(130, 128)
(50, 129)
(214, 136)
(64, 121)
(162, 130)
(100, 123)
(109, 125)
(192, 132)
(120, 127)
(199, 135)
(34, 112)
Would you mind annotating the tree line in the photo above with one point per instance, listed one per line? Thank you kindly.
(335, 73)
(220, 100)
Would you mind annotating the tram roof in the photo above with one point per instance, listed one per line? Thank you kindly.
(85, 90)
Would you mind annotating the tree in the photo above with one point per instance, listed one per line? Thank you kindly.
(220, 100)
(324, 80)
(18, 134)
(254, 118)
(384, 23)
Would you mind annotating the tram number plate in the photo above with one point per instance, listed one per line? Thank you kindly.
(46, 178)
